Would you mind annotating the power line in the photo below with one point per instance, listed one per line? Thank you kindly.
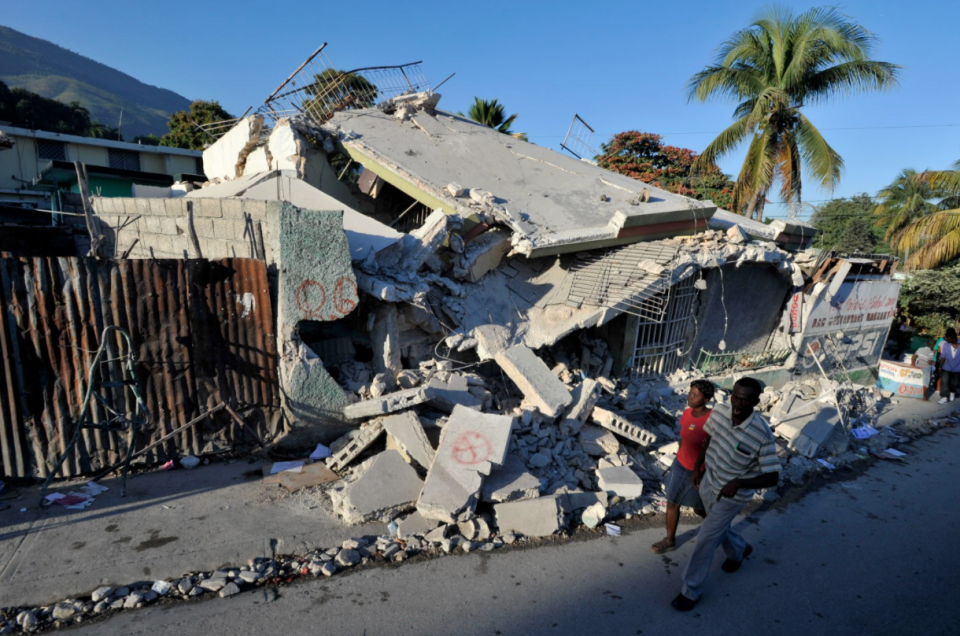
(715, 132)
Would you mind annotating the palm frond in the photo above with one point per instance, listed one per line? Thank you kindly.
(824, 162)
(725, 142)
(850, 77)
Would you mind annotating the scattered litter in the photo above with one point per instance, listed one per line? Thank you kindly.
(864, 431)
(321, 452)
(613, 530)
(826, 464)
(189, 461)
(287, 467)
(894, 452)
(168, 465)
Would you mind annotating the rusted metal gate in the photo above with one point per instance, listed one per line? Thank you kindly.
(203, 333)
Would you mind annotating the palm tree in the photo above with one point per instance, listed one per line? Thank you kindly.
(773, 68)
(934, 238)
(493, 114)
(903, 202)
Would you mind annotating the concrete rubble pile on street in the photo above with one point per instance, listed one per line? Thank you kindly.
(514, 365)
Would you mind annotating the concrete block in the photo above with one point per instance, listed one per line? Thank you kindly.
(231, 208)
(417, 524)
(175, 207)
(207, 208)
(539, 517)
(621, 481)
(585, 397)
(807, 429)
(510, 482)
(390, 403)
(255, 209)
(580, 499)
(616, 424)
(446, 395)
(736, 234)
(597, 442)
(157, 207)
(357, 445)
(407, 430)
(471, 444)
(484, 253)
(539, 386)
(386, 487)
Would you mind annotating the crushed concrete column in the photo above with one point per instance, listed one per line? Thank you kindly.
(390, 403)
(539, 386)
(472, 443)
(385, 337)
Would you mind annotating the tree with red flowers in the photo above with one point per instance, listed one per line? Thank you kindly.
(644, 157)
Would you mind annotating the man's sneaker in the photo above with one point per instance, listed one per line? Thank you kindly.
(683, 604)
(943, 400)
(732, 566)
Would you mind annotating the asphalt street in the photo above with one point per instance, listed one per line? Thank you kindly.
(871, 554)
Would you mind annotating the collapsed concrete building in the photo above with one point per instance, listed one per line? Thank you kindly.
(479, 324)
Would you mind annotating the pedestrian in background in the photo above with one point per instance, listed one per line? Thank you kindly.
(680, 490)
(949, 364)
(924, 359)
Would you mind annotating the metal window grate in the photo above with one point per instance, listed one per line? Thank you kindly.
(614, 279)
(712, 363)
(124, 159)
(579, 139)
(660, 343)
(198, 166)
(49, 149)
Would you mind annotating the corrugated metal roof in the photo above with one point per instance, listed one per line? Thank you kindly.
(203, 330)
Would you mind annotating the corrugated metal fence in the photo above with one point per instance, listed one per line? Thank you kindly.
(203, 331)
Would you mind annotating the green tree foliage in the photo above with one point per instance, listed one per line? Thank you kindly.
(773, 69)
(931, 298)
(28, 110)
(333, 90)
(493, 114)
(644, 157)
(903, 202)
(833, 221)
(934, 238)
(183, 125)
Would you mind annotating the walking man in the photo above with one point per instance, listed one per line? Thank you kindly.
(740, 456)
(949, 363)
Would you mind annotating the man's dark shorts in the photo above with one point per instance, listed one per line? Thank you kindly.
(679, 488)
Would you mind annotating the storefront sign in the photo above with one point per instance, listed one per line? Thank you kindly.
(858, 305)
(902, 380)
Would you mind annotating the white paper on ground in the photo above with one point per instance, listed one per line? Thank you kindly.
(295, 466)
(321, 452)
(864, 432)
(827, 464)
(54, 496)
(612, 529)
(894, 452)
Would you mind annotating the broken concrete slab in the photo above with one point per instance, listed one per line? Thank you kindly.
(484, 254)
(407, 430)
(808, 428)
(616, 424)
(585, 396)
(385, 338)
(412, 251)
(415, 523)
(539, 386)
(387, 486)
(621, 481)
(390, 403)
(510, 482)
(343, 457)
(470, 445)
(226, 158)
(580, 499)
(539, 517)
(446, 395)
(597, 442)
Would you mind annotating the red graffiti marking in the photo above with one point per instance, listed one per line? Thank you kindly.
(307, 295)
(471, 448)
(344, 293)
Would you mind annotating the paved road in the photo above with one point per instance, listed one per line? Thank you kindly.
(874, 555)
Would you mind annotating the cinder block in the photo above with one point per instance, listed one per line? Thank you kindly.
(157, 207)
(204, 227)
(207, 207)
(532, 376)
(130, 207)
(143, 207)
(231, 208)
(175, 207)
(256, 210)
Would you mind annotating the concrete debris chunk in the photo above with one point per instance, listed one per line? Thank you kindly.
(510, 482)
(455, 190)
(342, 458)
(580, 499)
(229, 590)
(407, 430)
(446, 395)
(101, 593)
(616, 424)
(620, 481)
(471, 444)
(387, 487)
(415, 523)
(651, 267)
(390, 403)
(594, 515)
(808, 428)
(532, 376)
(539, 517)
(597, 442)
(736, 234)
(585, 397)
(484, 254)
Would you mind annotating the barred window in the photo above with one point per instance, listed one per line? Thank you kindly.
(198, 165)
(124, 159)
(49, 149)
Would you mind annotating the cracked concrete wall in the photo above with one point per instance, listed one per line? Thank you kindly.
(316, 284)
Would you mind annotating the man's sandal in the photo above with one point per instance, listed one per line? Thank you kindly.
(663, 546)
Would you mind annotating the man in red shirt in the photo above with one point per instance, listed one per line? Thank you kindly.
(680, 489)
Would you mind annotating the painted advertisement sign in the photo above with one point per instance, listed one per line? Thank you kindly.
(858, 305)
(901, 379)
(796, 312)
(854, 351)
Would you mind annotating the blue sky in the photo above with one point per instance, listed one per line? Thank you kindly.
(620, 65)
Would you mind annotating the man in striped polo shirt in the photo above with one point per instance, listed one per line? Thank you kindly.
(740, 456)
